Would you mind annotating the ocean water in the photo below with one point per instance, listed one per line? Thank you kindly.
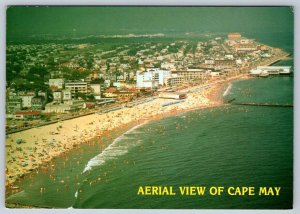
(225, 146)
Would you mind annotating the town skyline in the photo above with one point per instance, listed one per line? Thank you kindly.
(64, 21)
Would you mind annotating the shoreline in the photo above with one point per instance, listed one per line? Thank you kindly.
(213, 97)
(210, 97)
(24, 163)
(24, 159)
(215, 93)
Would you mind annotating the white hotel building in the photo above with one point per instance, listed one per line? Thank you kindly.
(151, 78)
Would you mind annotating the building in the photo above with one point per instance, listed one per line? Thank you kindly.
(116, 84)
(126, 94)
(66, 94)
(162, 75)
(69, 65)
(77, 87)
(229, 56)
(88, 105)
(169, 95)
(57, 96)
(174, 80)
(56, 84)
(245, 47)
(262, 47)
(225, 63)
(26, 100)
(110, 92)
(13, 104)
(152, 78)
(215, 73)
(96, 90)
(68, 106)
(107, 83)
(255, 72)
(145, 80)
(209, 61)
(192, 74)
(168, 66)
(275, 69)
(246, 41)
(56, 108)
(38, 102)
(234, 36)
(27, 115)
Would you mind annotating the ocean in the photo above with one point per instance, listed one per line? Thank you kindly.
(230, 145)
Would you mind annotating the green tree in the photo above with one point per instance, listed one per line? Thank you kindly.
(80, 95)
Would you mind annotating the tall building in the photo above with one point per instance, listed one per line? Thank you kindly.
(96, 90)
(151, 78)
(77, 87)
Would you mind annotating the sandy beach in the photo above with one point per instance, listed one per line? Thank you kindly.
(44, 143)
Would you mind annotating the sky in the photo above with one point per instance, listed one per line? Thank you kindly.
(24, 21)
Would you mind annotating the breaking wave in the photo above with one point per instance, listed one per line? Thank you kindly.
(114, 150)
(227, 90)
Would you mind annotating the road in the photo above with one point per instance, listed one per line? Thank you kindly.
(80, 114)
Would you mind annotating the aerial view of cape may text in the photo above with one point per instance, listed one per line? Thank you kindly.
(149, 107)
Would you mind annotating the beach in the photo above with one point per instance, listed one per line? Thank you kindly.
(40, 145)
(141, 151)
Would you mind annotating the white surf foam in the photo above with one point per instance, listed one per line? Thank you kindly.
(17, 195)
(111, 152)
(227, 90)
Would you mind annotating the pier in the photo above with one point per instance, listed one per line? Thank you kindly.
(264, 104)
(277, 59)
(260, 104)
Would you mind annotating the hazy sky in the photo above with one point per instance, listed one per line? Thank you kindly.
(25, 21)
